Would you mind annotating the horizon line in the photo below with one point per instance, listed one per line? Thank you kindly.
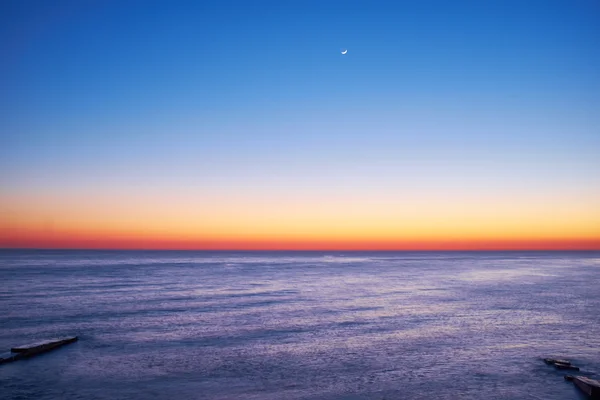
(316, 250)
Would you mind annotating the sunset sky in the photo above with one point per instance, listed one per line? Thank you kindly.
(240, 125)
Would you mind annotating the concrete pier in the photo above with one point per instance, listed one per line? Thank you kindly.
(43, 346)
(29, 350)
(591, 387)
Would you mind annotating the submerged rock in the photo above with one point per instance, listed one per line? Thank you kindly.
(558, 365)
(8, 357)
(554, 360)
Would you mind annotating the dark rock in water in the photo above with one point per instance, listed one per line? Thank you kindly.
(569, 378)
(41, 347)
(554, 360)
(588, 386)
(558, 365)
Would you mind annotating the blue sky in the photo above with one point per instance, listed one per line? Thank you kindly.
(132, 73)
(503, 95)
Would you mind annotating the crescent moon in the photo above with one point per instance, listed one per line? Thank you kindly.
(344, 51)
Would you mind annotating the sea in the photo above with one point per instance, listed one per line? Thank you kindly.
(299, 325)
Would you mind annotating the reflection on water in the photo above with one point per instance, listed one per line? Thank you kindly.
(219, 325)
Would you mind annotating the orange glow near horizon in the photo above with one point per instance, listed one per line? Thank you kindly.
(300, 221)
(78, 241)
(105, 239)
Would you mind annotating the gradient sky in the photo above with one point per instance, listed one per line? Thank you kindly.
(239, 125)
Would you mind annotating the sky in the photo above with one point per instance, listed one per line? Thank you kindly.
(240, 125)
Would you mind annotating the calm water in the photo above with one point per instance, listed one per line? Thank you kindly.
(198, 325)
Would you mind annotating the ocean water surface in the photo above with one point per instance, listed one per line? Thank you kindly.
(288, 325)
